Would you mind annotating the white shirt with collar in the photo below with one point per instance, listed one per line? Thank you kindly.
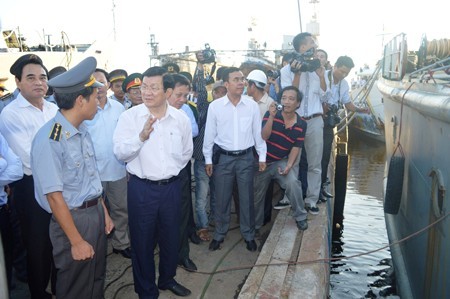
(233, 128)
(19, 123)
(264, 104)
(164, 154)
(337, 92)
(313, 95)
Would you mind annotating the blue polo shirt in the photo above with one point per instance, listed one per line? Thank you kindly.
(282, 139)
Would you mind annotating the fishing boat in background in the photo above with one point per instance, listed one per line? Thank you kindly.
(416, 92)
(365, 93)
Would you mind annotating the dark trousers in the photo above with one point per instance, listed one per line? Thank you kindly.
(228, 170)
(7, 241)
(153, 210)
(303, 171)
(34, 223)
(328, 136)
(81, 279)
(186, 212)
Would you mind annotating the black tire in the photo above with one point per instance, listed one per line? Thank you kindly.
(394, 186)
(340, 187)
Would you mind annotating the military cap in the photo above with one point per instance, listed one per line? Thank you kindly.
(133, 80)
(77, 78)
(16, 68)
(117, 74)
(172, 67)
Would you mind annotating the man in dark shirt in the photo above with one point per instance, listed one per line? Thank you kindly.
(284, 132)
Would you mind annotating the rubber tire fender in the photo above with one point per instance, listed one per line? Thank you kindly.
(394, 185)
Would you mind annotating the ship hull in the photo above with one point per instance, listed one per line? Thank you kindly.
(417, 126)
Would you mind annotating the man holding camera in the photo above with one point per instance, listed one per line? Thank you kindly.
(338, 93)
(306, 72)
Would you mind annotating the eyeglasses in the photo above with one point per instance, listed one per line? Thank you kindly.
(153, 88)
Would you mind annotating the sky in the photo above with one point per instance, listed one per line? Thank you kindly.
(356, 28)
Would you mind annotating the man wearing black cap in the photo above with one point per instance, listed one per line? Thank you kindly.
(67, 184)
(19, 122)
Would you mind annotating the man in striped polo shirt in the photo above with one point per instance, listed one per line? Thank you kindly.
(284, 132)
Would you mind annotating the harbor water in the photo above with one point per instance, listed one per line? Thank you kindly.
(357, 274)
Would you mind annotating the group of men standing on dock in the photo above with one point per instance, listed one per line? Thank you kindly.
(92, 165)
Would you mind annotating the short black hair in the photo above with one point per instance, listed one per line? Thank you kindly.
(291, 87)
(226, 73)
(299, 39)
(179, 79)
(98, 70)
(66, 101)
(155, 71)
(344, 61)
(324, 52)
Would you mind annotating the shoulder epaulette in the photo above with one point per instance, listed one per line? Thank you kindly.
(192, 104)
(55, 133)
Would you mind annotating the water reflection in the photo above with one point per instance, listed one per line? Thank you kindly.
(367, 276)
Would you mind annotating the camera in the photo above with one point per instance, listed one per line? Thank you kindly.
(273, 74)
(279, 107)
(209, 55)
(332, 118)
(307, 60)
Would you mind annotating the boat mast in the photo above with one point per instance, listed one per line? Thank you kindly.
(114, 18)
(299, 16)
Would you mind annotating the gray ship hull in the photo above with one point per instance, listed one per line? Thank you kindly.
(417, 126)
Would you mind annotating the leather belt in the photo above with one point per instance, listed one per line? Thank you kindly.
(163, 182)
(89, 203)
(312, 116)
(235, 153)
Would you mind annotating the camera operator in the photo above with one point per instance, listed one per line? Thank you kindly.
(274, 79)
(309, 76)
(338, 93)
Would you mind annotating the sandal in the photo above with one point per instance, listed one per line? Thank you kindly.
(203, 234)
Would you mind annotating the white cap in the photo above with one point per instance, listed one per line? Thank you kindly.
(258, 77)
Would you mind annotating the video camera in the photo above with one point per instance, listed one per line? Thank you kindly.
(307, 60)
(209, 55)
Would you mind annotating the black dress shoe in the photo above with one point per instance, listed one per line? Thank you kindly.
(195, 239)
(251, 245)
(188, 265)
(214, 245)
(126, 253)
(326, 194)
(177, 289)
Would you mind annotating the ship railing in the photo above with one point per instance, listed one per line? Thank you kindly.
(428, 71)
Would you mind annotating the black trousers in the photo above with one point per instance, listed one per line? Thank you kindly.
(186, 212)
(328, 136)
(34, 223)
(7, 240)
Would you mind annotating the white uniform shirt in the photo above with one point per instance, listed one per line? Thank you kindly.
(337, 92)
(19, 122)
(309, 85)
(164, 154)
(264, 104)
(233, 128)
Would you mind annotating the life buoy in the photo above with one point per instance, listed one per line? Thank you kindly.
(394, 186)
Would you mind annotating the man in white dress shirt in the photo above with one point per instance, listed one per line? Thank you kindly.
(19, 122)
(155, 140)
(309, 77)
(233, 127)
